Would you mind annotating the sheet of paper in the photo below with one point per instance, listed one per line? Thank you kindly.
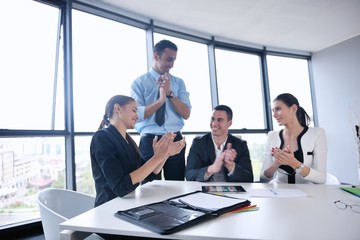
(208, 201)
(275, 192)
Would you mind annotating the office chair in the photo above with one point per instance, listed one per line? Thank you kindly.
(331, 179)
(58, 205)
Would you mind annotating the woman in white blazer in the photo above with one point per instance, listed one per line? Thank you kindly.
(297, 153)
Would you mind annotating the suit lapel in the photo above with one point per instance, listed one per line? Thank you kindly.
(210, 148)
(120, 141)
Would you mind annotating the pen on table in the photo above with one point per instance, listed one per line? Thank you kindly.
(272, 190)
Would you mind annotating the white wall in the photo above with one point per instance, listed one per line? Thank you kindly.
(336, 74)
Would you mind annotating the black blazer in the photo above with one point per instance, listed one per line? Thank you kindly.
(112, 161)
(202, 155)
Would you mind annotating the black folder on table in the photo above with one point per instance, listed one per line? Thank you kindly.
(181, 212)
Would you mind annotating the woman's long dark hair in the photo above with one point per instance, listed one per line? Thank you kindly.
(109, 109)
(290, 100)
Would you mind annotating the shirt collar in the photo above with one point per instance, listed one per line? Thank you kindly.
(155, 75)
(221, 146)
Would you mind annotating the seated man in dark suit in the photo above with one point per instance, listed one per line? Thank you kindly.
(219, 156)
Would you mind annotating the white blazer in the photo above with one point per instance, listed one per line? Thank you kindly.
(314, 146)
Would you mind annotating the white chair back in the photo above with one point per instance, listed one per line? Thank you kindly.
(332, 180)
(58, 205)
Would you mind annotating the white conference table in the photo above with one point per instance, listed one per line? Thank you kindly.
(282, 218)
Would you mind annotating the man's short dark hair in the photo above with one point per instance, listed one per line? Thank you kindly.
(160, 46)
(225, 108)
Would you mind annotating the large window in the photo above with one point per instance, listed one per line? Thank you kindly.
(31, 99)
(107, 57)
(240, 87)
(290, 75)
(28, 57)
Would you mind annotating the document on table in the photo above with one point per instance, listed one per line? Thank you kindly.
(208, 201)
(275, 192)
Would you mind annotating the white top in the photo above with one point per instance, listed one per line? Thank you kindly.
(313, 216)
(314, 147)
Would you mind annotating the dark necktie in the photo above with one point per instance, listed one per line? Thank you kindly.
(160, 114)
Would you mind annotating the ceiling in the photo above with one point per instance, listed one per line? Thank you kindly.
(301, 25)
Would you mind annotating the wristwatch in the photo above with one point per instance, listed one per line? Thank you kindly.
(299, 169)
(171, 95)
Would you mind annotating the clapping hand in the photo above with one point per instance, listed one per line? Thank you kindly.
(230, 156)
(166, 147)
(165, 84)
(176, 147)
(283, 156)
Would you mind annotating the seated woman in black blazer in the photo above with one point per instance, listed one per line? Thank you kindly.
(117, 165)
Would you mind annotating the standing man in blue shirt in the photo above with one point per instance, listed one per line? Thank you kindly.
(153, 91)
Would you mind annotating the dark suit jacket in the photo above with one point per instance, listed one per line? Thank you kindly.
(202, 155)
(112, 161)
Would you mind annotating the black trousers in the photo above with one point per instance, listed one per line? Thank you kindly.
(174, 168)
